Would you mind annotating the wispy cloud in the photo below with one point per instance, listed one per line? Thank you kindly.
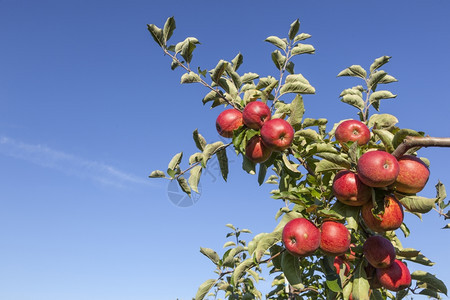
(68, 163)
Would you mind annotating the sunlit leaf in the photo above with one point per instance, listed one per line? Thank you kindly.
(204, 289)
(380, 61)
(354, 71)
(293, 30)
(157, 34)
(430, 279)
(378, 95)
(301, 37)
(354, 100)
(182, 182)
(297, 84)
(219, 70)
(168, 29)
(194, 177)
(418, 204)
(302, 48)
(278, 42)
(382, 121)
(297, 109)
(190, 77)
(237, 61)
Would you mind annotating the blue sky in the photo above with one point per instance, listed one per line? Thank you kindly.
(89, 106)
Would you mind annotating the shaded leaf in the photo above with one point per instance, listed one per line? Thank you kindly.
(218, 71)
(199, 140)
(168, 29)
(194, 177)
(402, 134)
(278, 59)
(386, 137)
(209, 150)
(361, 286)
(293, 30)
(291, 269)
(223, 163)
(157, 34)
(184, 185)
(430, 279)
(336, 159)
(241, 269)
(325, 165)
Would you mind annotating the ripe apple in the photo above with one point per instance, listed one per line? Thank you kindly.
(394, 278)
(390, 220)
(377, 168)
(256, 151)
(277, 134)
(352, 131)
(413, 175)
(255, 114)
(340, 264)
(379, 251)
(335, 238)
(228, 121)
(301, 237)
(348, 189)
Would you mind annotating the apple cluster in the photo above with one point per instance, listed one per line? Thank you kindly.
(273, 134)
(301, 237)
(378, 170)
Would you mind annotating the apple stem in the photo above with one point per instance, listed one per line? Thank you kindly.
(414, 141)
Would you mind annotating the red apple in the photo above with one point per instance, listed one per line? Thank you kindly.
(228, 121)
(335, 238)
(377, 168)
(351, 254)
(301, 237)
(348, 189)
(413, 175)
(396, 277)
(256, 151)
(390, 220)
(379, 251)
(255, 114)
(341, 264)
(277, 134)
(352, 131)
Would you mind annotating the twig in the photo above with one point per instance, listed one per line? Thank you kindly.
(414, 141)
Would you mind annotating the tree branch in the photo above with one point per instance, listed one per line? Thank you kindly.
(414, 141)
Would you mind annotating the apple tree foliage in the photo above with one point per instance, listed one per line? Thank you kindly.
(302, 175)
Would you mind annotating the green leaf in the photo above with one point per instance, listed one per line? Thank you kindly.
(267, 241)
(278, 59)
(211, 96)
(354, 71)
(168, 29)
(229, 244)
(302, 49)
(190, 77)
(196, 157)
(380, 61)
(336, 159)
(408, 252)
(375, 78)
(418, 204)
(402, 134)
(325, 165)
(218, 71)
(194, 177)
(237, 61)
(241, 269)
(223, 163)
(157, 174)
(297, 84)
(157, 34)
(361, 286)
(229, 256)
(290, 166)
(382, 121)
(421, 259)
(293, 30)
(278, 42)
(301, 37)
(204, 289)
(248, 77)
(230, 226)
(187, 48)
(297, 108)
(386, 137)
(354, 100)
(175, 161)
(291, 269)
(430, 279)
(211, 254)
(262, 173)
(376, 96)
(446, 226)
(333, 281)
(184, 185)
(248, 166)
(199, 140)
(209, 150)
